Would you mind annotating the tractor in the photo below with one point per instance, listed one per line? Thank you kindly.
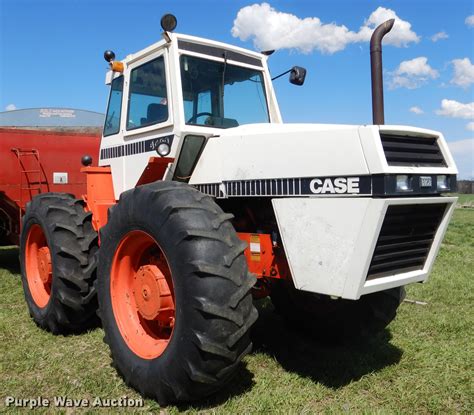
(203, 201)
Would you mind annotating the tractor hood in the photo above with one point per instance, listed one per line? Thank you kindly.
(317, 159)
(276, 151)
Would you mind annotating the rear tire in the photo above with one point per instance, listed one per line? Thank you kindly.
(336, 321)
(204, 333)
(58, 263)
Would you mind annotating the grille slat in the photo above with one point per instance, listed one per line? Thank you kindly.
(401, 245)
(412, 151)
(405, 239)
(402, 156)
(395, 146)
(395, 254)
(413, 263)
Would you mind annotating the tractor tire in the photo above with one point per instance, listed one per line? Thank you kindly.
(58, 247)
(336, 321)
(174, 292)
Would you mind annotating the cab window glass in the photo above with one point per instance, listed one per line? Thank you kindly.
(222, 95)
(148, 101)
(114, 109)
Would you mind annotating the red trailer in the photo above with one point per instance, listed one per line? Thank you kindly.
(38, 160)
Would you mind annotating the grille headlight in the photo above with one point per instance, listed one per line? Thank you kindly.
(163, 149)
(442, 182)
(404, 183)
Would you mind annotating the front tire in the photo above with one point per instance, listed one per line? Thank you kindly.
(174, 292)
(58, 248)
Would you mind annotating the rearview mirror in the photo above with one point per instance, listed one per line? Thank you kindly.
(297, 75)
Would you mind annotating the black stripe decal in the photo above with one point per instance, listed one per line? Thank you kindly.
(139, 147)
(306, 186)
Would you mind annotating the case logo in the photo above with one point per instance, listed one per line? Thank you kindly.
(337, 185)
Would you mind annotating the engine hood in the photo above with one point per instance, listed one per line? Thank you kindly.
(274, 151)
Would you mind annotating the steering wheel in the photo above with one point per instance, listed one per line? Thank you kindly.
(193, 119)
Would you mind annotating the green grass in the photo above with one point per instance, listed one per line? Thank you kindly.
(465, 198)
(423, 362)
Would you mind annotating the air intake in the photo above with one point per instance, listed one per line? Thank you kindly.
(403, 150)
(405, 238)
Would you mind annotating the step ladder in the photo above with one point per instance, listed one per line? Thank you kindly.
(31, 173)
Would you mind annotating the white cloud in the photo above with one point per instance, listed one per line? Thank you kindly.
(463, 153)
(417, 110)
(455, 109)
(439, 36)
(412, 74)
(470, 126)
(271, 29)
(470, 20)
(10, 107)
(463, 72)
(400, 35)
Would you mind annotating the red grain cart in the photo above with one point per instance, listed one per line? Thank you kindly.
(34, 161)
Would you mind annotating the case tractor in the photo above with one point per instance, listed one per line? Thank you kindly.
(204, 201)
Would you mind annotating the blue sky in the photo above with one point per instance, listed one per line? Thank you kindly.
(51, 55)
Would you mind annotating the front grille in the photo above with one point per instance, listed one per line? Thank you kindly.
(405, 238)
(403, 150)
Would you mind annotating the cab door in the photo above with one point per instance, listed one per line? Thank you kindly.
(146, 119)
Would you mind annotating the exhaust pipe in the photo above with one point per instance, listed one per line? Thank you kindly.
(376, 70)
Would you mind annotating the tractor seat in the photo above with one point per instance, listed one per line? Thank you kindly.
(155, 113)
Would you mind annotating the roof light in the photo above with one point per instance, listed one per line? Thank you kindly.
(109, 56)
(116, 66)
(168, 22)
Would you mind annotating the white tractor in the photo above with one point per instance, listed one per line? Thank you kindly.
(204, 200)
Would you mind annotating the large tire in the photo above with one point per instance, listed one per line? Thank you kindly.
(170, 233)
(58, 247)
(336, 320)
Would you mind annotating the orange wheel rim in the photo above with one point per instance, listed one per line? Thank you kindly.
(142, 295)
(39, 274)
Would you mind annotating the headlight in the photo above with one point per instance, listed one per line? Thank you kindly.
(442, 182)
(404, 183)
(163, 149)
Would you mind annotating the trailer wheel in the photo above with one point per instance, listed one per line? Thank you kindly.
(336, 321)
(58, 248)
(174, 292)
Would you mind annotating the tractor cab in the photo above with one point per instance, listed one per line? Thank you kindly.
(178, 93)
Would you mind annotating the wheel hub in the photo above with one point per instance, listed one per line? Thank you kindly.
(152, 293)
(44, 265)
(142, 294)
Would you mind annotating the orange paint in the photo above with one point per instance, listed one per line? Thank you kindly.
(100, 194)
(117, 66)
(142, 295)
(155, 170)
(38, 266)
(263, 258)
(100, 190)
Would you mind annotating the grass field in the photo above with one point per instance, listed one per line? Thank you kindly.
(423, 362)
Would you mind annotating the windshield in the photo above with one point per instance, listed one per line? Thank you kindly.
(217, 94)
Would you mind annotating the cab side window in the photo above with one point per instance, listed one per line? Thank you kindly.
(114, 109)
(148, 100)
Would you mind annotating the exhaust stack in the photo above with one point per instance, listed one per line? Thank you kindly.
(376, 70)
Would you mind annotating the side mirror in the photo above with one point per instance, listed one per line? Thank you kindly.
(297, 75)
